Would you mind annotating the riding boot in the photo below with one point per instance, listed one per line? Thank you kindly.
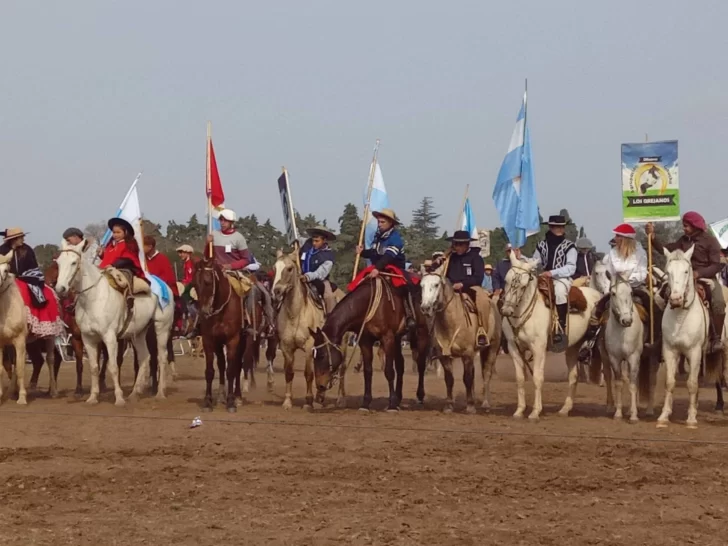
(560, 341)
(409, 311)
(716, 344)
(268, 309)
(590, 338)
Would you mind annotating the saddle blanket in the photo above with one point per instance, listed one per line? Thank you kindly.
(43, 322)
(397, 280)
(161, 290)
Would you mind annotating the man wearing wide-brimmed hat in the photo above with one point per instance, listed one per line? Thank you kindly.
(387, 249)
(465, 271)
(317, 261)
(557, 256)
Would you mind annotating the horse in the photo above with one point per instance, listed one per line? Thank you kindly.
(13, 331)
(375, 311)
(623, 344)
(298, 316)
(101, 315)
(685, 332)
(220, 320)
(253, 331)
(455, 327)
(527, 325)
(599, 279)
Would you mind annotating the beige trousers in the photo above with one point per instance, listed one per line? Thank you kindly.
(329, 298)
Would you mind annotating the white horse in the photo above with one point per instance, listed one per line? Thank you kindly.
(685, 332)
(528, 326)
(623, 343)
(13, 329)
(599, 280)
(101, 315)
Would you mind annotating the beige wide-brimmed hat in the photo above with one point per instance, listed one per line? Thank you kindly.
(14, 233)
(185, 248)
(386, 213)
(323, 231)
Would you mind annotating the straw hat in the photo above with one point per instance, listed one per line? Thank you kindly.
(322, 231)
(185, 248)
(13, 233)
(488, 267)
(386, 213)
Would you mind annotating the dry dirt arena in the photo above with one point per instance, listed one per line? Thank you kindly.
(74, 474)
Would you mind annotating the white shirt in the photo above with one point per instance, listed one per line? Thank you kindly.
(633, 268)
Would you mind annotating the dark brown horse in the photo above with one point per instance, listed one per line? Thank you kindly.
(382, 306)
(253, 330)
(220, 322)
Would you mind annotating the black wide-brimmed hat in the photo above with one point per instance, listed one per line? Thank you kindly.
(556, 220)
(461, 236)
(123, 223)
(321, 231)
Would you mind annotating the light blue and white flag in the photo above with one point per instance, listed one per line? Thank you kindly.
(515, 190)
(378, 201)
(130, 211)
(468, 223)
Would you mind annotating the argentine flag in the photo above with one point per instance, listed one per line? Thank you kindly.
(378, 201)
(468, 223)
(515, 191)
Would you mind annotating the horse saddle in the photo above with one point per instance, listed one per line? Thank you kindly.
(124, 281)
(468, 303)
(577, 300)
(316, 298)
(240, 282)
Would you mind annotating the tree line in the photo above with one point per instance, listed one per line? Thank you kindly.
(422, 236)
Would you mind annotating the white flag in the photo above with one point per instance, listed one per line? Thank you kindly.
(720, 229)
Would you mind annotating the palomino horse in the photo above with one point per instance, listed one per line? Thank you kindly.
(221, 321)
(623, 344)
(528, 325)
(455, 328)
(375, 311)
(101, 315)
(13, 330)
(298, 316)
(685, 332)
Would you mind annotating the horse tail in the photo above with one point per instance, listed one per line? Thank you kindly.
(714, 366)
(645, 373)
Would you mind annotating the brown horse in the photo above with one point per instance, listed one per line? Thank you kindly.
(220, 321)
(253, 333)
(380, 308)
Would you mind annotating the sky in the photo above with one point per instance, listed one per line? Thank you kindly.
(95, 91)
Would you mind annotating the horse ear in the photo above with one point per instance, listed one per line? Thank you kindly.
(6, 257)
(689, 253)
(666, 253)
(85, 246)
(279, 253)
(312, 332)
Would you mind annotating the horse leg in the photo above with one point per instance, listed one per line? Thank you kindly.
(469, 381)
(141, 349)
(367, 355)
(289, 353)
(694, 358)
(78, 353)
(92, 349)
(621, 367)
(670, 358)
(50, 358)
(572, 364)
(36, 358)
(446, 362)
(233, 371)
(3, 362)
(209, 351)
(718, 397)
(341, 397)
(520, 371)
(270, 355)
(486, 372)
(308, 373)
(221, 367)
(608, 373)
(153, 347)
(113, 348)
(241, 358)
(19, 344)
(104, 355)
(399, 370)
(634, 369)
(539, 361)
(165, 349)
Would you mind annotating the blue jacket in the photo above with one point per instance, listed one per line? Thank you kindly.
(312, 259)
(387, 249)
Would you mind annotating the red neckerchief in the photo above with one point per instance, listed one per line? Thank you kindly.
(228, 231)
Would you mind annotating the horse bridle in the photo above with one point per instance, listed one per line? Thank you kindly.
(613, 308)
(328, 344)
(215, 281)
(76, 271)
(686, 304)
(439, 308)
(519, 297)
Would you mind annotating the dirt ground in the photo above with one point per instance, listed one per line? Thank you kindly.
(74, 474)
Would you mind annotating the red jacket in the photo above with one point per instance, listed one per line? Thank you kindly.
(188, 269)
(160, 266)
(116, 251)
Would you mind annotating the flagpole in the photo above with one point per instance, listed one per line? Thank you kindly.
(296, 244)
(650, 284)
(525, 110)
(372, 171)
(462, 208)
(107, 233)
(141, 235)
(209, 187)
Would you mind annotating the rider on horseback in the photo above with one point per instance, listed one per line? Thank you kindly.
(629, 259)
(465, 271)
(584, 262)
(388, 250)
(317, 260)
(122, 252)
(557, 256)
(706, 266)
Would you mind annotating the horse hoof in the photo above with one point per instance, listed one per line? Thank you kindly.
(692, 426)
(534, 418)
(133, 398)
(341, 403)
(392, 410)
(634, 420)
(518, 415)
(207, 409)
(78, 394)
(22, 401)
(617, 417)
(364, 410)
(92, 401)
(120, 403)
(232, 409)
(238, 402)
(307, 407)
(246, 386)
(53, 394)
(662, 424)
(287, 404)
(563, 413)
(160, 396)
(485, 406)
(447, 410)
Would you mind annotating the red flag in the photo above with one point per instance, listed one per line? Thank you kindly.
(214, 186)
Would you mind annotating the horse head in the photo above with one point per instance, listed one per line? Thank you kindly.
(327, 359)
(5, 266)
(206, 279)
(679, 273)
(600, 279)
(432, 289)
(517, 280)
(69, 263)
(286, 276)
(620, 301)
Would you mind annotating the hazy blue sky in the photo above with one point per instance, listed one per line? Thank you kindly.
(94, 91)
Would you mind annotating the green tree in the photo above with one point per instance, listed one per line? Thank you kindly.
(424, 220)
(665, 232)
(345, 245)
(45, 254)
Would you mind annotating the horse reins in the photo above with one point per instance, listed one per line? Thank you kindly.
(214, 293)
